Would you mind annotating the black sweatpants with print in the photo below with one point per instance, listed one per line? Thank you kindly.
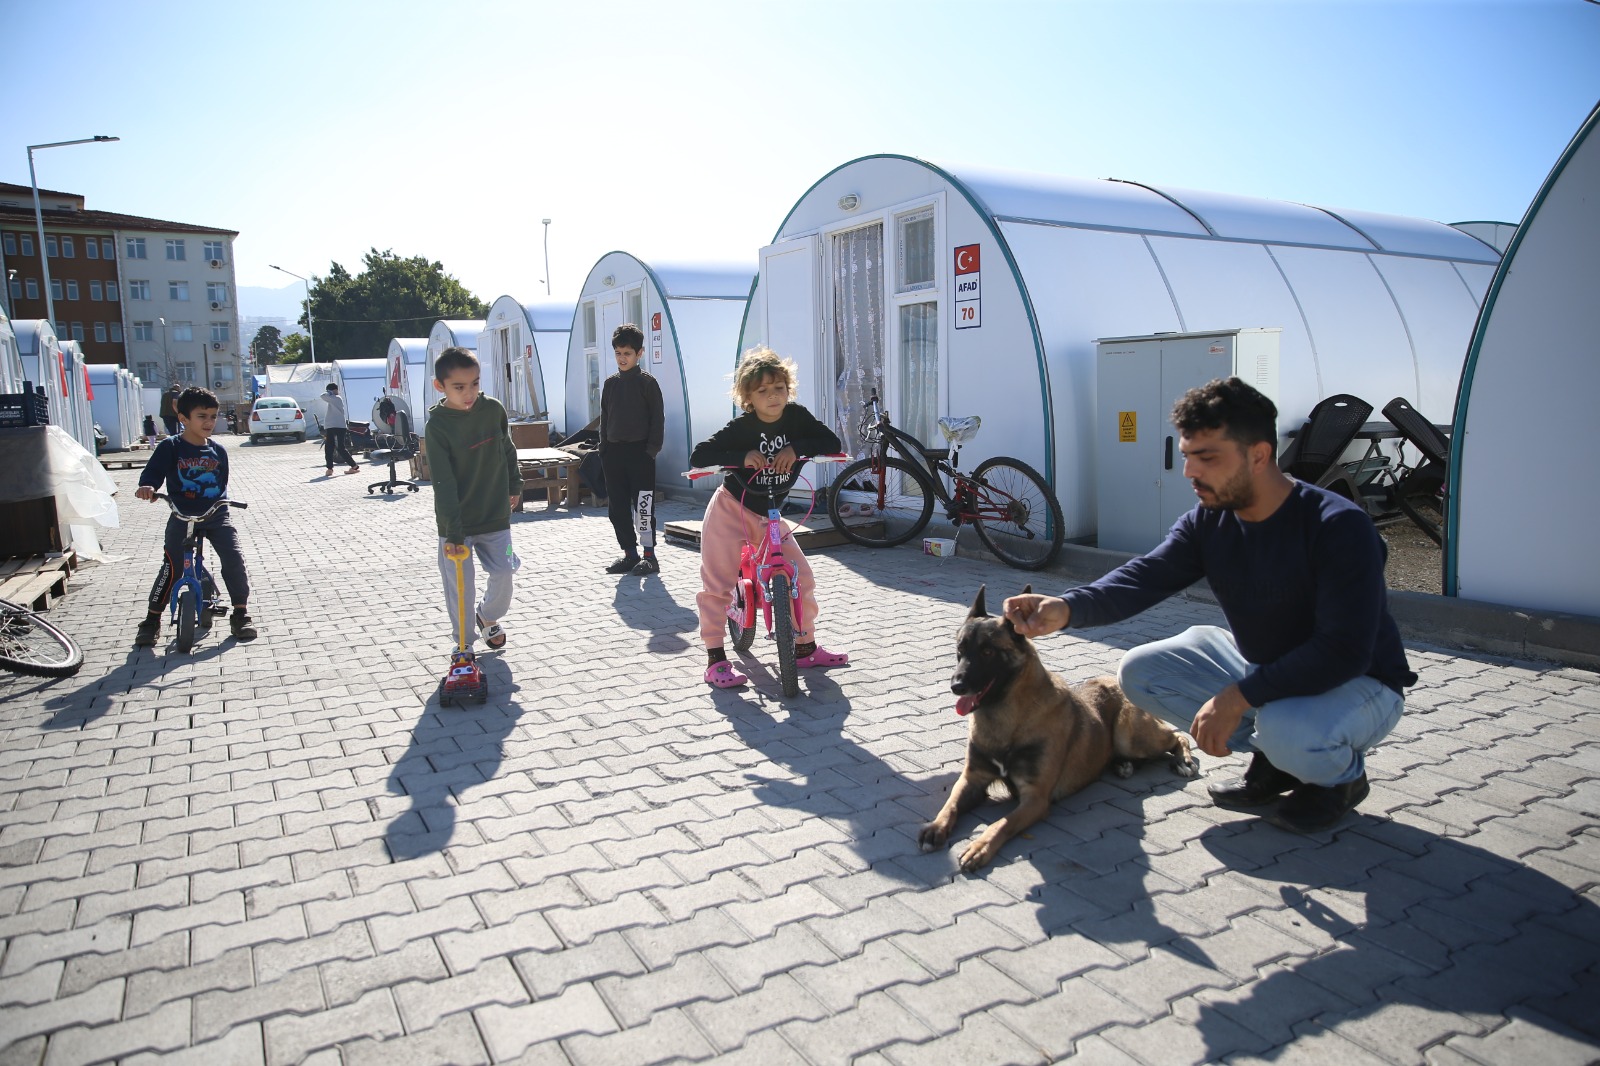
(630, 488)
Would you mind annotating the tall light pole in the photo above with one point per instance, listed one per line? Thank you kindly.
(546, 256)
(38, 217)
(166, 356)
(311, 324)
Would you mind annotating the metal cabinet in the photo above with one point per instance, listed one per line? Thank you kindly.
(1141, 489)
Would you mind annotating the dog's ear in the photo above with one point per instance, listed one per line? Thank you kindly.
(978, 608)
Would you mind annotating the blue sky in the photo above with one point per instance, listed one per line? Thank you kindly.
(686, 130)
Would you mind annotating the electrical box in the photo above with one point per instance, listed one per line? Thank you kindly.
(1139, 470)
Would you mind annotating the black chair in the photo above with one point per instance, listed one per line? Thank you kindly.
(1322, 441)
(399, 444)
(1416, 491)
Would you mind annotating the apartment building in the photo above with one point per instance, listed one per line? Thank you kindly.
(155, 296)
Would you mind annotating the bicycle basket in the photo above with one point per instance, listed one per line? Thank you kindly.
(959, 430)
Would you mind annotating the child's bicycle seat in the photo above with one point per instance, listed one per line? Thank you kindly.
(959, 430)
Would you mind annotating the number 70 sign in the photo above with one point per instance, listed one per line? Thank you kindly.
(968, 302)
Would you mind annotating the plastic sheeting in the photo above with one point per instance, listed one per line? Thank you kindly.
(46, 461)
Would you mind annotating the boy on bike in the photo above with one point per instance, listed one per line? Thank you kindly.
(768, 440)
(194, 470)
(476, 485)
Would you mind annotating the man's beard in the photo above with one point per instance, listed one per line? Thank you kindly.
(1236, 494)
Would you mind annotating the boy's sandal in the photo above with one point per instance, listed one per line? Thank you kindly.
(723, 675)
(493, 636)
(823, 657)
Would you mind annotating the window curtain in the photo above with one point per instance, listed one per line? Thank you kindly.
(919, 371)
(857, 327)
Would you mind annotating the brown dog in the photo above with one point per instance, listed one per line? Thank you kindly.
(1034, 733)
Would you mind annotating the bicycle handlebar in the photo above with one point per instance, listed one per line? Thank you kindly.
(219, 505)
(695, 473)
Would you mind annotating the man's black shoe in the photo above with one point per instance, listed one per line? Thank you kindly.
(1261, 784)
(1310, 808)
(623, 565)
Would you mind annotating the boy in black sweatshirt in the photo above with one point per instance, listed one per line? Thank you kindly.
(630, 439)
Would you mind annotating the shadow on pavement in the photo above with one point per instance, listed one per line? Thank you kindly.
(1405, 916)
(452, 749)
(644, 603)
(93, 695)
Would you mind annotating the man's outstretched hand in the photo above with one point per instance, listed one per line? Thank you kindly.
(1034, 615)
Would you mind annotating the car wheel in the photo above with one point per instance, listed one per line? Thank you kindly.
(255, 438)
(301, 437)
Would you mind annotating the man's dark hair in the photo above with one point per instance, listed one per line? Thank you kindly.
(452, 359)
(194, 396)
(331, 387)
(628, 335)
(1244, 415)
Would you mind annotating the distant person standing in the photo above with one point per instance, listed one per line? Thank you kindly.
(169, 408)
(631, 432)
(336, 432)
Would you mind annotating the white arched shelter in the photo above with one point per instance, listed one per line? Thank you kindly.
(410, 375)
(690, 317)
(529, 341)
(462, 333)
(962, 292)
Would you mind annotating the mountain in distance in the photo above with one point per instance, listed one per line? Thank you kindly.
(258, 301)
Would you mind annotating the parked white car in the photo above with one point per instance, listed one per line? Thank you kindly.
(276, 416)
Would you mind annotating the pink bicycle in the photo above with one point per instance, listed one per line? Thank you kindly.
(767, 579)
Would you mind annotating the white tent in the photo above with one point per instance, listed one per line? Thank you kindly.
(461, 333)
(982, 292)
(42, 364)
(1496, 235)
(10, 358)
(1521, 477)
(528, 345)
(360, 381)
(410, 375)
(690, 316)
(115, 405)
(75, 372)
(302, 382)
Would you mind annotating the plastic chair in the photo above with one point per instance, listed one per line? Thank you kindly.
(1322, 441)
(400, 444)
(1416, 491)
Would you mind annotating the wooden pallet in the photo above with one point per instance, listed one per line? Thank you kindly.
(686, 534)
(136, 455)
(36, 580)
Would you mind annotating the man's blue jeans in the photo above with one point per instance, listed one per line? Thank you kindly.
(1320, 739)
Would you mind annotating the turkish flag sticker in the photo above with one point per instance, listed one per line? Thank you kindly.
(967, 259)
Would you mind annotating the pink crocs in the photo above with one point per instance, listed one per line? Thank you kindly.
(823, 657)
(723, 675)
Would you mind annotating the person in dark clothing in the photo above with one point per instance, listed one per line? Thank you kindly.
(169, 409)
(194, 470)
(1311, 672)
(631, 431)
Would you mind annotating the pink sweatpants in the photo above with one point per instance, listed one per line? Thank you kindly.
(727, 526)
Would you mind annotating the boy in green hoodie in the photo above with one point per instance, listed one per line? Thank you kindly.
(476, 486)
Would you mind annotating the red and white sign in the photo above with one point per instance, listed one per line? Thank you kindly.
(655, 339)
(969, 287)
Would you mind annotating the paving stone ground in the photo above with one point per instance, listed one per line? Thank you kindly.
(286, 852)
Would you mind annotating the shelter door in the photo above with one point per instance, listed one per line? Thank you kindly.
(789, 306)
(856, 291)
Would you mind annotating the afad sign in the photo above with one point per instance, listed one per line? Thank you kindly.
(969, 291)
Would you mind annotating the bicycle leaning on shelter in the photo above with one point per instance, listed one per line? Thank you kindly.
(1005, 500)
(191, 607)
(767, 581)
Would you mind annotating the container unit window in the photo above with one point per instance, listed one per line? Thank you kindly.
(915, 250)
(636, 308)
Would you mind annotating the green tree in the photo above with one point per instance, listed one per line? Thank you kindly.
(356, 316)
(267, 346)
(296, 349)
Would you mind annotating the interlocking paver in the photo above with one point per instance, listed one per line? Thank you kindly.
(289, 842)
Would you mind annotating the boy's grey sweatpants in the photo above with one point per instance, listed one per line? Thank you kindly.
(494, 551)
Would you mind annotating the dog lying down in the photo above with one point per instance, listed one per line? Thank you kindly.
(1033, 732)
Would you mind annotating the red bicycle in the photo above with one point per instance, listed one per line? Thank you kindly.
(767, 579)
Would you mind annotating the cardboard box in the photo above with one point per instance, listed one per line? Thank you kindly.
(530, 434)
(942, 547)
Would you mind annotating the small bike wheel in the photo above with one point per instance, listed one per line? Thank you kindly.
(742, 635)
(783, 633)
(30, 645)
(1016, 514)
(188, 618)
(906, 496)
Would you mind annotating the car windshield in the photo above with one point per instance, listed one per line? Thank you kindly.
(263, 404)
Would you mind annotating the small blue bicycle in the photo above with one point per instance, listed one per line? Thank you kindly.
(191, 605)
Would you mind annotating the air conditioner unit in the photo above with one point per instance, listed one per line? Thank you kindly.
(216, 305)
(216, 264)
(216, 384)
(216, 346)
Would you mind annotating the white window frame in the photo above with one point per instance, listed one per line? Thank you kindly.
(144, 331)
(116, 332)
(77, 332)
(91, 248)
(27, 244)
(69, 247)
(100, 332)
(217, 292)
(187, 373)
(32, 285)
(9, 243)
(52, 250)
(219, 333)
(58, 290)
(136, 248)
(72, 288)
(97, 291)
(148, 371)
(176, 252)
(108, 248)
(138, 289)
(178, 291)
(182, 331)
(214, 252)
(112, 292)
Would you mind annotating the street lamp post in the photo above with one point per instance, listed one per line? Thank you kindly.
(38, 217)
(546, 256)
(166, 355)
(311, 323)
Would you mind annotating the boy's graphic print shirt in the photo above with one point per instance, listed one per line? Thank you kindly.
(195, 476)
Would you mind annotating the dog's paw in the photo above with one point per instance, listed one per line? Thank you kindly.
(978, 855)
(1122, 767)
(1185, 766)
(932, 837)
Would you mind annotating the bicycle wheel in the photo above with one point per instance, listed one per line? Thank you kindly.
(783, 632)
(741, 634)
(188, 618)
(1016, 515)
(907, 498)
(30, 645)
